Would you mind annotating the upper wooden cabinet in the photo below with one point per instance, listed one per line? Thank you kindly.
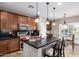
(4, 20)
(22, 20)
(27, 21)
(10, 20)
(13, 18)
(31, 23)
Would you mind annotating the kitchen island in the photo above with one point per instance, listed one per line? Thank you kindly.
(35, 48)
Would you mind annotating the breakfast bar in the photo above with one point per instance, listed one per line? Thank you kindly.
(35, 48)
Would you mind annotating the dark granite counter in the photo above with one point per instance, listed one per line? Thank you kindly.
(7, 38)
(41, 43)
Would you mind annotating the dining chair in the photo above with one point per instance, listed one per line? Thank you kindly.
(57, 50)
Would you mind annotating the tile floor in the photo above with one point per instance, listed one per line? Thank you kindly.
(68, 52)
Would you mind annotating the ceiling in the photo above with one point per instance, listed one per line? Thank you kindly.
(70, 8)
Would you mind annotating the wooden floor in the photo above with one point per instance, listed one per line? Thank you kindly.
(68, 52)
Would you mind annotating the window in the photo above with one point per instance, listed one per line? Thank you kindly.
(63, 30)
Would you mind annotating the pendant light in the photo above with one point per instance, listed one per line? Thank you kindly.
(65, 24)
(54, 17)
(47, 21)
(37, 16)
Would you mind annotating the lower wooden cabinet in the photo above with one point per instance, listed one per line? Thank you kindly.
(14, 45)
(8, 46)
(4, 47)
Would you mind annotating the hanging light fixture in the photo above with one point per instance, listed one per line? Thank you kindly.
(54, 17)
(37, 16)
(47, 21)
(65, 23)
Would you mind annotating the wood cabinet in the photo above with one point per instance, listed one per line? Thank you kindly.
(4, 20)
(27, 21)
(4, 47)
(13, 18)
(10, 20)
(31, 23)
(14, 45)
(8, 46)
(22, 20)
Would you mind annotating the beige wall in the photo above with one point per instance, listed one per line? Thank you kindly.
(55, 29)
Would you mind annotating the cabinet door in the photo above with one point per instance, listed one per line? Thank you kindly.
(14, 45)
(26, 20)
(4, 47)
(31, 23)
(21, 20)
(13, 21)
(4, 20)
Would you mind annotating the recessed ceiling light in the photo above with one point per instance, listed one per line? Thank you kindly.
(59, 3)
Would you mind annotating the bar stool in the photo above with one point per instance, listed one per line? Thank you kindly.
(61, 49)
(56, 50)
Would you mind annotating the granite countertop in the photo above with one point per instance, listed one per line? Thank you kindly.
(6, 38)
(41, 43)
